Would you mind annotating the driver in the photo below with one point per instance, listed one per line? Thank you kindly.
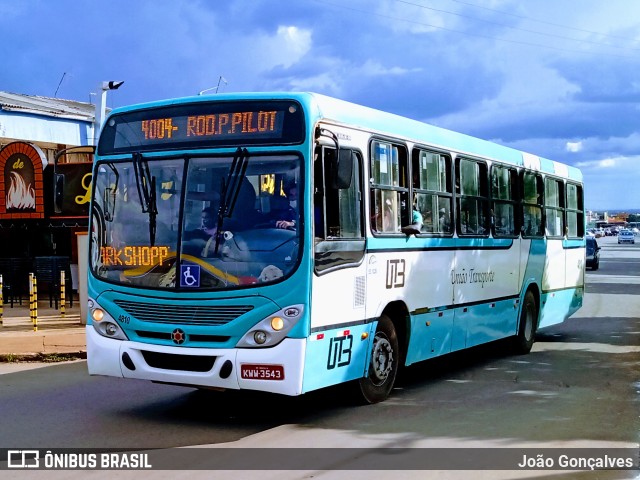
(209, 221)
(288, 216)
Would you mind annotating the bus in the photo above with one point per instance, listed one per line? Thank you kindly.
(287, 242)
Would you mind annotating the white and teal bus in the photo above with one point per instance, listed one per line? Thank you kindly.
(286, 242)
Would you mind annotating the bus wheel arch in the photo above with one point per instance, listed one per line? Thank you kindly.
(388, 350)
(528, 321)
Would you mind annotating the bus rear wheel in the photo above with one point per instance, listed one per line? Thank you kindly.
(383, 363)
(523, 341)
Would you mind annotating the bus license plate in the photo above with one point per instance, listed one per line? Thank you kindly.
(262, 372)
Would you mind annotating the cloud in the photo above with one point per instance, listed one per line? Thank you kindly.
(574, 147)
(570, 93)
(599, 164)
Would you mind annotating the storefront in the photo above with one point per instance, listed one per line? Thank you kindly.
(36, 134)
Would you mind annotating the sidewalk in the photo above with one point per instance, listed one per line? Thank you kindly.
(56, 334)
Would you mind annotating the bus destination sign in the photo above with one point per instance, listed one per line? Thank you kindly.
(203, 125)
(237, 124)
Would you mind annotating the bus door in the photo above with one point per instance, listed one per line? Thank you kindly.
(336, 351)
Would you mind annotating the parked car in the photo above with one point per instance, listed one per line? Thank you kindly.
(626, 236)
(593, 253)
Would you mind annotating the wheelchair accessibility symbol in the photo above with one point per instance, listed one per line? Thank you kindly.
(190, 276)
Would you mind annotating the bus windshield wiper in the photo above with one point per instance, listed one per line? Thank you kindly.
(146, 185)
(230, 189)
(110, 195)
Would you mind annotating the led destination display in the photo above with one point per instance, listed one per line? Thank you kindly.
(203, 125)
(224, 124)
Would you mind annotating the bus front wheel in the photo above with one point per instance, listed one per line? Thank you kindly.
(523, 341)
(383, 363)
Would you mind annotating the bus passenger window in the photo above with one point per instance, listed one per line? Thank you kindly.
(504, 201)
(575, 211)
(473, 214)
(532, 193)
(432, 186)
(390, 208)
(554, 206)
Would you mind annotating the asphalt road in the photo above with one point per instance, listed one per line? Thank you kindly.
(580, 386)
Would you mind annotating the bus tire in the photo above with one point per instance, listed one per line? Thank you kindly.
(526, 336)
(383, 364)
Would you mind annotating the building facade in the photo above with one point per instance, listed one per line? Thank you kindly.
(42, 141)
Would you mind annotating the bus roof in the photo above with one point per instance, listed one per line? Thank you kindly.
(322, 107)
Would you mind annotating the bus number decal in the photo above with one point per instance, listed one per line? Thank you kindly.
(395, 273)
(339, 352)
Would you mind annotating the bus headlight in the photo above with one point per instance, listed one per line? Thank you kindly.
(97, 314)
(277, 323)
(273, 329)
(104, 324)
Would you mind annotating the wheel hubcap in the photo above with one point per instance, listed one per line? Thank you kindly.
(381, 360)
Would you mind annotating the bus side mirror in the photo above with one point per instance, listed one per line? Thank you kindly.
(343, 171)
(58, 192)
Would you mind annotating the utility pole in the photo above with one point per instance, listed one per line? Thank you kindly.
(101, 107)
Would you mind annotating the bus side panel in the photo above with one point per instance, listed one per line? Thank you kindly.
(559, 305)
(489, 321)
(563, 281)
(555, 266)
(574, 270)
(533, 257)
(421, 280)
(430, 335)
(338, 298)
(337, 356)
(335, 350)
(486, 281)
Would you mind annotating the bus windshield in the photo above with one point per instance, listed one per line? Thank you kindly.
(196, 223)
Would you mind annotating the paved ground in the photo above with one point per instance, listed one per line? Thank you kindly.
(55, 333)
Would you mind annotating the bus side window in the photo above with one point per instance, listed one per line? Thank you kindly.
(532, 195)
(433, 191)
(473, 200)
(391, 207)
(554, 207)
(504, 201)
(575, 211)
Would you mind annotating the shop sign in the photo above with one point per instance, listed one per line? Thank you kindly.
(21, 181)
(76, 192)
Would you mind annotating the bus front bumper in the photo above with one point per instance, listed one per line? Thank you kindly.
(277, 369)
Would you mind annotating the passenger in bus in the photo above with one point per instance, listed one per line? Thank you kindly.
(388, 217)
(201, 241)
(415, 226)
(444, 221)
(209, 221)
(208, 225)
(287, 214)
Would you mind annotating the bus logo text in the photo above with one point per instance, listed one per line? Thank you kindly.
(339, 352)
(472, 276)
(395, 273)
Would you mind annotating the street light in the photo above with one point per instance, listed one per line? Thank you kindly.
(101, 108)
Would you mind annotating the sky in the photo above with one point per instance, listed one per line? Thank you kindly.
(556, 78)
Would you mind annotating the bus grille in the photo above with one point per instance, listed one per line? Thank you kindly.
(186, 363)
(183, 314)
